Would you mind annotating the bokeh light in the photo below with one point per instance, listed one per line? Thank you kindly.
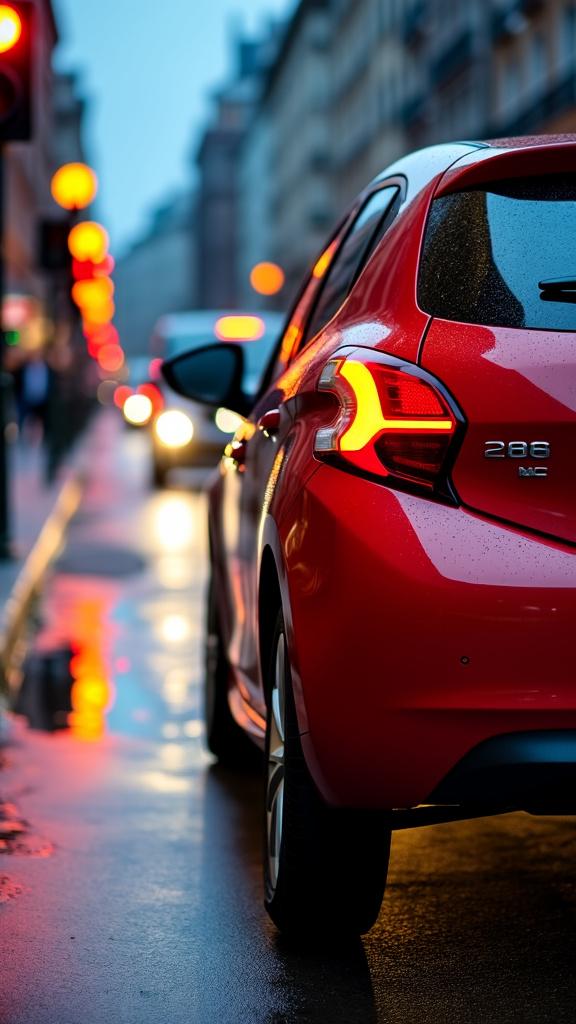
(110, 357)
(74, 186)
(137, 410)
(10, 27)
(227, 421)
(239, 328)
(88, 241)
(121, 395)
(174, 428)
(267, 278)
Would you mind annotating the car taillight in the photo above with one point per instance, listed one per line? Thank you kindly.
(394, 420)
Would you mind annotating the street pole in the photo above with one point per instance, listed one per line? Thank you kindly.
(5, 550)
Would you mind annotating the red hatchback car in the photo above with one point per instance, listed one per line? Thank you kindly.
(392, 605)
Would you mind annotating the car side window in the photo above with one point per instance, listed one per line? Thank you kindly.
(364, 234)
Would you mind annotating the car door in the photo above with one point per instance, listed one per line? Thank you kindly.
(262, 442)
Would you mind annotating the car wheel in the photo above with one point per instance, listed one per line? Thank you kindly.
(224, 736)
(324, 868)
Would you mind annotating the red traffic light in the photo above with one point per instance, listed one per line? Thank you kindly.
(16, 32)
(10, 27)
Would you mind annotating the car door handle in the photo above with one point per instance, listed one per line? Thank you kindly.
(269, 422)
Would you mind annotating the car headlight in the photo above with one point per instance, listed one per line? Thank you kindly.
(137, 410)
(174, 428)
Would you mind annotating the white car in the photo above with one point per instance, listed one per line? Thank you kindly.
(186, 433)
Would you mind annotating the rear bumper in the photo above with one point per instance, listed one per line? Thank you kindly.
(418, 632)
(532, 771)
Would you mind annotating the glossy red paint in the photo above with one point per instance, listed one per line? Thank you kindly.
(514, 386)
(424, 629)
(418, 625)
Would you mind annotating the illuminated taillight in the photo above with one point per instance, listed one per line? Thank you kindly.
(394, 420)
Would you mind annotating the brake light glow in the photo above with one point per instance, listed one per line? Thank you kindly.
(239, 328)
(393, 420)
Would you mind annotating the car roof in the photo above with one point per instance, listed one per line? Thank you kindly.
(422, 166)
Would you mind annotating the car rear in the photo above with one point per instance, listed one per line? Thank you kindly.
(446, 532)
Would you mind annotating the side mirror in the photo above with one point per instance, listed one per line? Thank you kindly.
(211, 375)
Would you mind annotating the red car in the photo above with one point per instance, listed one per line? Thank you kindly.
(392, 605)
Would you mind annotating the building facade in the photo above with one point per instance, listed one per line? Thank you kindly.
(157, 274)
(353, 86)
(219, 224)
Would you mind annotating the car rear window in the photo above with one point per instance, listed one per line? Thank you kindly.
(485, 252)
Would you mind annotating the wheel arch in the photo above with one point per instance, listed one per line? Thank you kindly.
(273, 594)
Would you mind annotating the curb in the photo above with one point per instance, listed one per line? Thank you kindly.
(31, 575)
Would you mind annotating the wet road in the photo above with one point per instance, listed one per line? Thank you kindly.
(130, 884)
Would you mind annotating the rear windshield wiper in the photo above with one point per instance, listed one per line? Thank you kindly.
(558, 284)
(558, 289)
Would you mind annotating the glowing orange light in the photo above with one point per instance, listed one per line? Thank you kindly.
(88, 241)
(74, 186)
(10, 27)
(121, 393)
(322, 264)
(289, 341)
(267, 278)
(98, 316)
(100, 334)
(369, 419)
(94, 292)
(239, 328)
(110, 357)
(85, 270)
(90, 692)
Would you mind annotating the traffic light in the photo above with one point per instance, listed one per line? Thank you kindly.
(16, 83)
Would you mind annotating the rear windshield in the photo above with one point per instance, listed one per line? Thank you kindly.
(485, 252)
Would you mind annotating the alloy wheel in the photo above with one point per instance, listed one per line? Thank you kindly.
(276, 763)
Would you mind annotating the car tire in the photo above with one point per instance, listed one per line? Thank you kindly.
(324, 868)
(224, 737)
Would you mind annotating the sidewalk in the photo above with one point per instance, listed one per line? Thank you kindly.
(39, 515)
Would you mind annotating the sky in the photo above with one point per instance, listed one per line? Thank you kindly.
(147, 68)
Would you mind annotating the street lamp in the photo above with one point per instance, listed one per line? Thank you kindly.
(267, 278)
(74, 186)
(88, 241)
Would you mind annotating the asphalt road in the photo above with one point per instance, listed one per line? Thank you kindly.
(130, 874)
